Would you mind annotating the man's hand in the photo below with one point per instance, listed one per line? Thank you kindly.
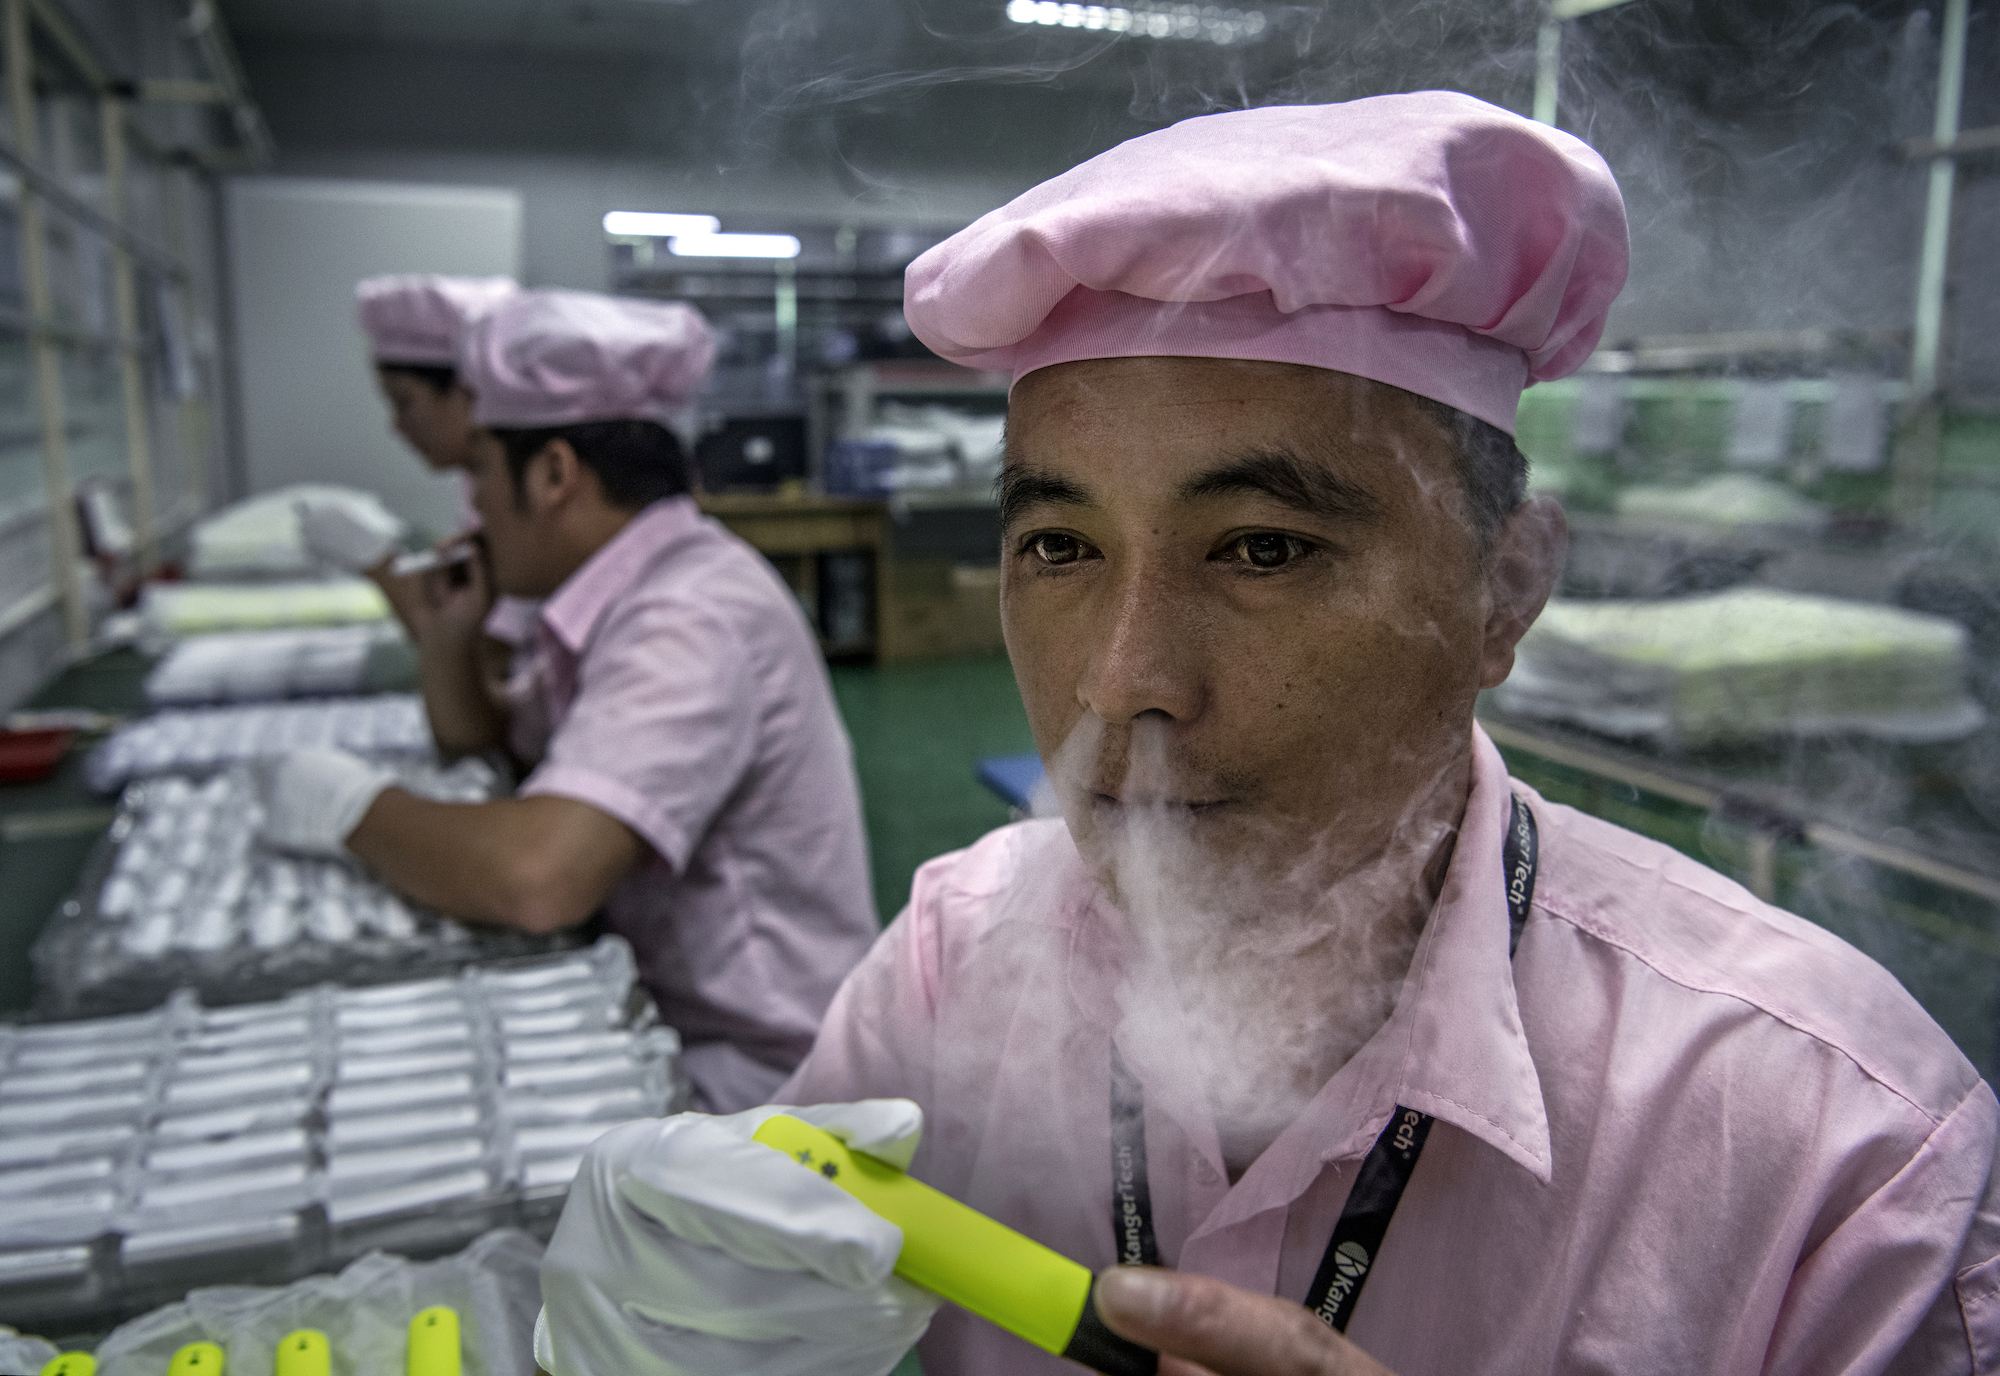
(1199, 1325)
(686, 1247)
(453, 600)
(446, 613)
(312, 800)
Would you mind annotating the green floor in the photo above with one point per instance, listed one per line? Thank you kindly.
(919, 731)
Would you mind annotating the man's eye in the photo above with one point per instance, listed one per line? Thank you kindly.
(1057, 549)
(1269, 550)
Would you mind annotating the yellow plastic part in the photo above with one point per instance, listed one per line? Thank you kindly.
(948, 1249)
(196, 1359)
(71, 1364)
(304, 1352)
(433, 1343)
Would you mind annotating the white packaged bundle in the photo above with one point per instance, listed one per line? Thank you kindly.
(261, 536)
(169, 611)
(257, 666)
(1742, 665)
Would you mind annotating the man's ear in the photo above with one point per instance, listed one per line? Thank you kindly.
(1521, 573)
(554, 476)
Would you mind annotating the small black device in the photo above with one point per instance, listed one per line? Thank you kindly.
(752, 453)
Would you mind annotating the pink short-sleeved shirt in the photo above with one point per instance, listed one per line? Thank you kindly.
(1683, 1131)
(683, 694)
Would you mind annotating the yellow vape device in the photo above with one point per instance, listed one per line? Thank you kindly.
(71, 1364)
(304, 1352)
(196, 1359)
(433, 1343)
(961, 1255)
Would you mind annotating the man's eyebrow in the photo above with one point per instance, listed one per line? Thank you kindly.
(1286, 479)
(1023, 485)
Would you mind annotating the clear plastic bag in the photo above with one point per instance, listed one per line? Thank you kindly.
(364, 1311)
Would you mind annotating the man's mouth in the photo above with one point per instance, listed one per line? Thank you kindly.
(1146, 800)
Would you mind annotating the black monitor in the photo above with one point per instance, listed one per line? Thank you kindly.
(752, 454)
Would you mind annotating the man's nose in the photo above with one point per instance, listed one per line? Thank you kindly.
(1146, 656)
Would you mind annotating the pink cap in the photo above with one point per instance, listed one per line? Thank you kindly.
(549, 358)
(1429, 241)
(420, 317)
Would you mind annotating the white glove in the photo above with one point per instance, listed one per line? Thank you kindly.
(313, 800)
(687, 1249)
(349, 536)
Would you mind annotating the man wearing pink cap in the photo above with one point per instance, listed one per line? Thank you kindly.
(690, 774)
(1397, 1065)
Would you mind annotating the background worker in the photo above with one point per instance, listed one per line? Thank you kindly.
(689, 771)
(1266, 538)
(415, 324)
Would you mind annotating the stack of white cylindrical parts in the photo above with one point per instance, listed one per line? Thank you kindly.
(311, 1128)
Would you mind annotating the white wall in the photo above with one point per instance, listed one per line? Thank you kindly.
(296, 247)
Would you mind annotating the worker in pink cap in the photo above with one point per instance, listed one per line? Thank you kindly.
(689, 774)
(414, 323)
(1331, 1047)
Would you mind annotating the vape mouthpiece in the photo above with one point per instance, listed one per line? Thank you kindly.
(304, 1352)
(196, 1359)
(433, 1347)
(961, 1255)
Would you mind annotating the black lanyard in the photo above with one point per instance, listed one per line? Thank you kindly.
(1385, 1171)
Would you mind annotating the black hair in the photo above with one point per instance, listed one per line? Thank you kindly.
(637, 462)
(1491, 467)
(440, 377)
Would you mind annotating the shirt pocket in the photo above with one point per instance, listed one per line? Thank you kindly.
(1979, 1305)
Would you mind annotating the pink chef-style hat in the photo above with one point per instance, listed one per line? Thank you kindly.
(550, 358)
(420, 318)
(1430, 241)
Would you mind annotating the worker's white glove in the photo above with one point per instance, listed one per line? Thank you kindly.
(348, 536)
(313, 800)
(687, 1249)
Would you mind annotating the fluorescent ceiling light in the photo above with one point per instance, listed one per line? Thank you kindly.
(648, 224)
(1213, 23)
(734, 246)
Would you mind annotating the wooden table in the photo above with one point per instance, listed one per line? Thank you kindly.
(799, 534)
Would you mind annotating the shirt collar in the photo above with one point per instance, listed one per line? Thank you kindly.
(572, 611)
(1455, 1047)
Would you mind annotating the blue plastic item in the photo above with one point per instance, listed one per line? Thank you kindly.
(1013, 777)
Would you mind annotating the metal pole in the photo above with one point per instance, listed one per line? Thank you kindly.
(1931, 267)
(64, 541)
(138, 430)
(1913, 479)
(1548, 69)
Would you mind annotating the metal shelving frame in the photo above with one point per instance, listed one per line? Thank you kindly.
(50, 208)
